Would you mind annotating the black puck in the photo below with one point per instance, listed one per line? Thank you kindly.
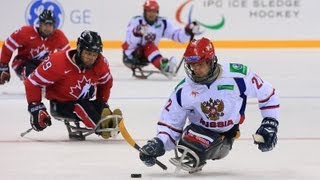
(136, 175)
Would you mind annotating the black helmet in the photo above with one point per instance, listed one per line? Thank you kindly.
(47, 16)
(90, 41)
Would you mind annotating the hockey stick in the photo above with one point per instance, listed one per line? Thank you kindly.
(130, 141)
(258, 138)
(26, 132)
(181, 61)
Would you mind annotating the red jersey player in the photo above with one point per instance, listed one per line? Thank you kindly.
(71, 79)
(33, 44)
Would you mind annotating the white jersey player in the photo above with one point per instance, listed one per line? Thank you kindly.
(144, 34)
(213, 98)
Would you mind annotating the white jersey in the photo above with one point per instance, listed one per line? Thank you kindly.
(161, 28)
(218, 106)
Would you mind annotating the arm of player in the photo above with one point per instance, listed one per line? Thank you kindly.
(105, 82)
(266, 135)
(175, 33)
(172, 120)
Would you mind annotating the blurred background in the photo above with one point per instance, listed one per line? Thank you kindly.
(231, 23)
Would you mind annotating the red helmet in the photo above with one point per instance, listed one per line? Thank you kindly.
(201, 50)
(151, 5)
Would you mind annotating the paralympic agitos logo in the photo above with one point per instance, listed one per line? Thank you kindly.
(188, 6)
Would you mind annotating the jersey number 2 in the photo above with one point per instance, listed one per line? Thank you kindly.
(168, 105)
(257, 81)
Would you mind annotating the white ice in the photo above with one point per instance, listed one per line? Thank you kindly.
(50, 155)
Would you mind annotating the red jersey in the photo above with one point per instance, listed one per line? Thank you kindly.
(31, 45)
(64, 81)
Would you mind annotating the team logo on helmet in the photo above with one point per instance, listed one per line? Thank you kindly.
(213, 109)
(36, 7)
(192, 58)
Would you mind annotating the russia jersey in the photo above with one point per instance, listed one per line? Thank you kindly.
(64, 81)
(218, 106)
(31, 45)
(162, 28)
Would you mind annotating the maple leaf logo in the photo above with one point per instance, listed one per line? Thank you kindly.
(84, 89)
(40, 52)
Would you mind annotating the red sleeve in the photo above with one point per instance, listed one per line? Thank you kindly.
(105, 82)
(33, 92)
(44, 75)
(15, 40)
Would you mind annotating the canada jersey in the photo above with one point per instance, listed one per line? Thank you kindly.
(65, 81)
(161, 28)
(218, 106)
(31, 45)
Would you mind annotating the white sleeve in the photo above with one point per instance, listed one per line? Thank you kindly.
(175, 33)
(132, 40)
(265, 93)
(171, 123)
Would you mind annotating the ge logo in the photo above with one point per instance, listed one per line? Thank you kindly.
(36, 7)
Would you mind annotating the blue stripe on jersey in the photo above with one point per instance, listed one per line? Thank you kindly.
(165, 26)
(242, 88)
(178, 95)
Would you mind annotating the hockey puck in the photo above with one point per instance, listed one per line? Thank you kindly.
(136, 175)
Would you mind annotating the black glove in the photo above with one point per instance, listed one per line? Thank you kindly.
(268, 130)
(4, 73)
(192, 28)
(149, 152)
(39, 118)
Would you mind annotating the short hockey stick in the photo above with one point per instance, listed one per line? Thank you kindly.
(26, 132)
(130, 141)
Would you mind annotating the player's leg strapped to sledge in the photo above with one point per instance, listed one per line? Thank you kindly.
(95, 115)
(149, 53)
(198, 144)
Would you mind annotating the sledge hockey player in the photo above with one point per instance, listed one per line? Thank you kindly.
(142, 38)
(34, 43)
(71, 79)
(213, 98)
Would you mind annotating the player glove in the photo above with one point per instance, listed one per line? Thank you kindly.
(268, 130)
(4, 73)
(192, 28)
(140, 31)
(149, 152)
(39, 118)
